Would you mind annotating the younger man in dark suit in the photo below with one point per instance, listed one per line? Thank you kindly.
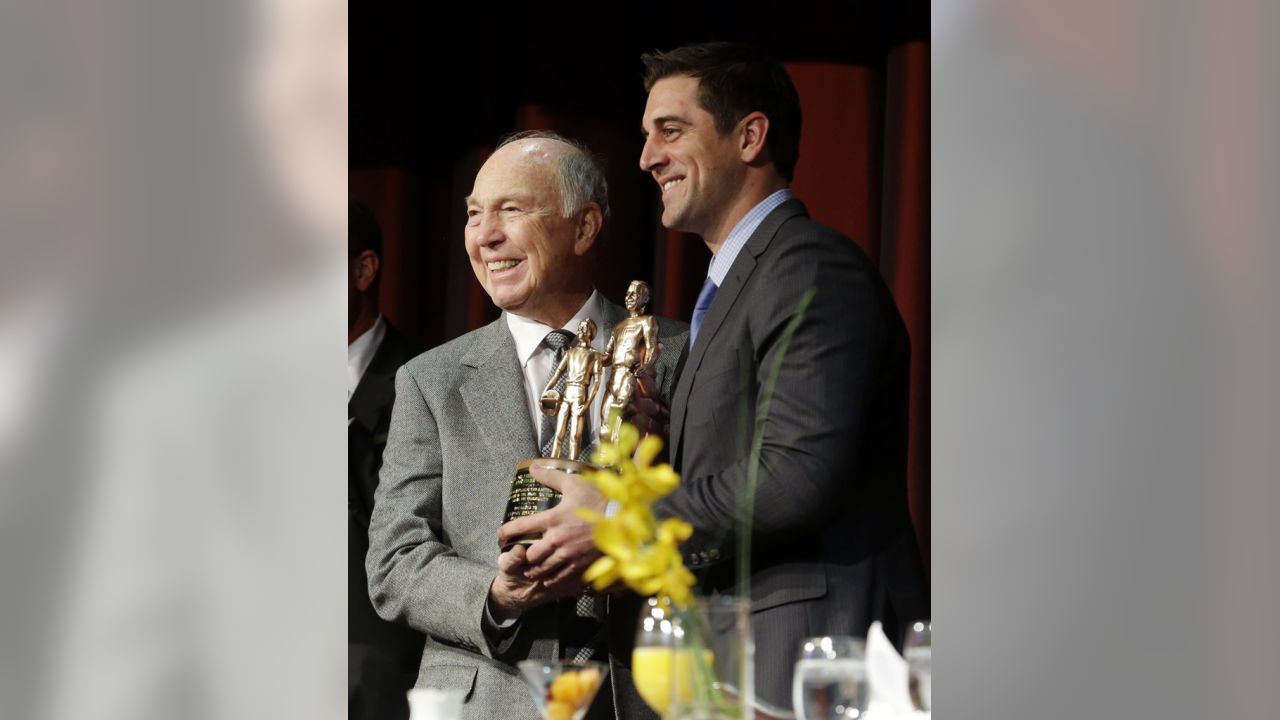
(832, 544)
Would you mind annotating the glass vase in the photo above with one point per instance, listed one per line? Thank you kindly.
(696, 662)
(713, 657)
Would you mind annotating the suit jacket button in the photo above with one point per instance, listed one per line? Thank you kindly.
(715, 554)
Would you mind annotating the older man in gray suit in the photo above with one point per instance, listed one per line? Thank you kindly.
(467, 412)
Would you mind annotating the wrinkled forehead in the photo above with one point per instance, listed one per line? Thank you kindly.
(524, 169)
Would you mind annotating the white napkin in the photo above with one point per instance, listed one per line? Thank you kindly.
(887, 675)
(433, 704)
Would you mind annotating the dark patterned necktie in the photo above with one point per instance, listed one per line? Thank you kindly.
(581, 626)
(582, 631)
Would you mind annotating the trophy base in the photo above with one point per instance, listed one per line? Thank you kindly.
(528, 496)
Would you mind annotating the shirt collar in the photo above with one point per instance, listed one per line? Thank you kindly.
(361, 351)
(738, 236)
(529, 333)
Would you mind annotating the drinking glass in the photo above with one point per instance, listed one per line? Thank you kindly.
(712, 660)
(830, 681)
(651, 660)
(563, 689)
(918, 650)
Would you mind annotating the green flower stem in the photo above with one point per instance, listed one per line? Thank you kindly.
(706, 688)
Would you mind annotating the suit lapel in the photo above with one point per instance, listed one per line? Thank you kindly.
(495, 396)
(726, 297)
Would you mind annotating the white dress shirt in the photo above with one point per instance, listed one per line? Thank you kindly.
(360, 353)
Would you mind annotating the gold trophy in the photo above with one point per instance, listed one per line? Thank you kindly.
(581, 368)
(633, 349)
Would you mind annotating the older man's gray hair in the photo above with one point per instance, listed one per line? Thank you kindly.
(580, 173)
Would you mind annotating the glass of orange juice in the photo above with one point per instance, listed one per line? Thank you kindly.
(697, 661)
(651, 660)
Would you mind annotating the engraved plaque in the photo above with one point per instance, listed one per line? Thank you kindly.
(528, 496)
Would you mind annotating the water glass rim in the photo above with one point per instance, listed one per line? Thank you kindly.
(829, 642)
(562, 663)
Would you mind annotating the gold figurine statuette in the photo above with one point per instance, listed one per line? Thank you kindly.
(632, 350)
(582, 368)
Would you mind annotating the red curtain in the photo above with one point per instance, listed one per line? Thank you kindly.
(904, 251)
(863, 169)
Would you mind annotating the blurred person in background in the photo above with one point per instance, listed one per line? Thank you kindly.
(382, 656)
(467, 412)
(1079, 291)
(205, 580)
(62, 320)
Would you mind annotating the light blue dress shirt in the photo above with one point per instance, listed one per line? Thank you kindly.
(738, 236)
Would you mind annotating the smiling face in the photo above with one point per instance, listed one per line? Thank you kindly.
(699, 170)
(528, 257)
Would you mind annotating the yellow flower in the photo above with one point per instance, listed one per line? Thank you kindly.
(602, 573)
(638, 521)
(623, 534)
(613, 454)
(610, 484)
(637, 550)
(647, 450)
(673, 531)
(657, 482)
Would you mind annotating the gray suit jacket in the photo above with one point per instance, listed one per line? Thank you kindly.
(459, 426)
(832, 545)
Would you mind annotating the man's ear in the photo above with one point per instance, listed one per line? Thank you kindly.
(366, 269)
(754, 130)
(588, 229)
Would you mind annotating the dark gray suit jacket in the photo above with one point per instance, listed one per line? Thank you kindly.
(382, 657)
(832, 545)
(459, 426)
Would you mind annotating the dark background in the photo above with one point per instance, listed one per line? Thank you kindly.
(432, 88)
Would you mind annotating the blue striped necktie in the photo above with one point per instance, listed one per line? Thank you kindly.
(705, 296)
